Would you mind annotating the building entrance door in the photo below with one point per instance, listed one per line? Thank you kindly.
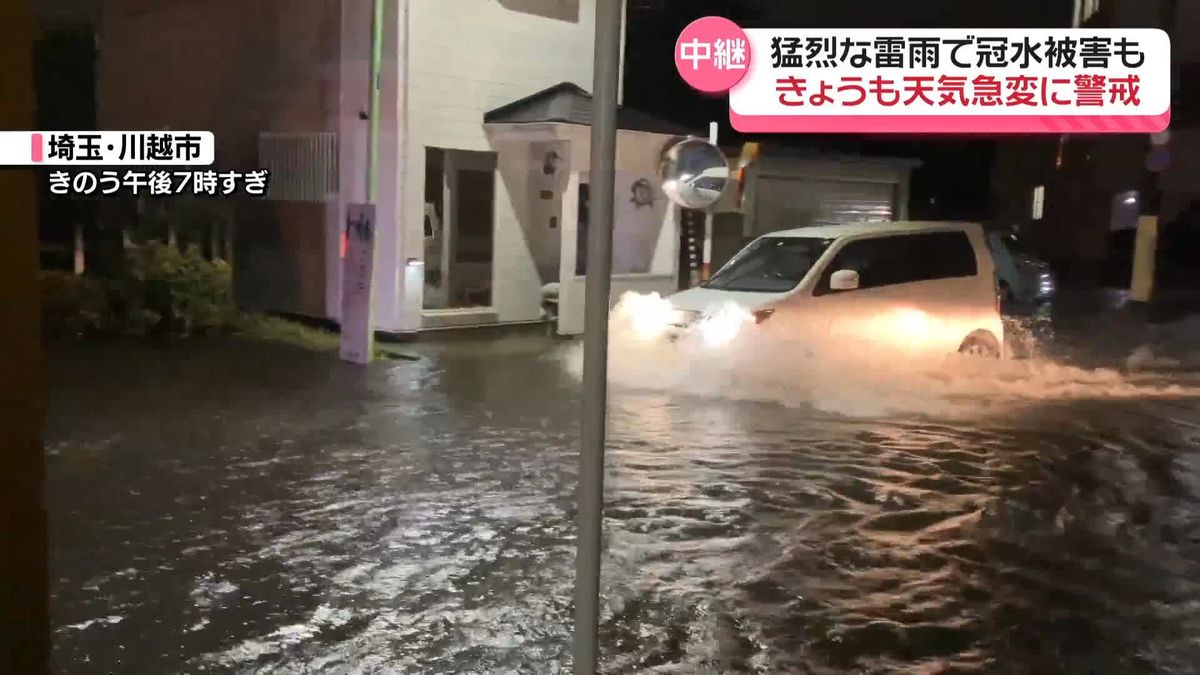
(460, 190)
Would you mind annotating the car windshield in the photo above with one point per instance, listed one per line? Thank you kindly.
(769, 265)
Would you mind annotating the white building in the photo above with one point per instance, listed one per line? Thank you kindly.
(483, 152)
(290, 93)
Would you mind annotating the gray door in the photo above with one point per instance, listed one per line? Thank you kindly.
(782, 203)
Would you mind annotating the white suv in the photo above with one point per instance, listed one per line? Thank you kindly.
(926, 283)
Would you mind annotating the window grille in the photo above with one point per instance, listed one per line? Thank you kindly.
(303, 166)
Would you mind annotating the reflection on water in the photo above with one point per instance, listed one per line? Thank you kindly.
(232, 507)
(828, 545)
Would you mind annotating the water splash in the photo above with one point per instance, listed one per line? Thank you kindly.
(882, 374)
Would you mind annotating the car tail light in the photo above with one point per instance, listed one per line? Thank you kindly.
(762, 315)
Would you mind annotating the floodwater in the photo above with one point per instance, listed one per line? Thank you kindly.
(235, 507)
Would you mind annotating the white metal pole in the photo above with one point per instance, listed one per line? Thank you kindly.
(371, 186)
(377, 15)
(706, 260)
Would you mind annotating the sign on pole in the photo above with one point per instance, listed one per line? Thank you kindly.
(357, 272)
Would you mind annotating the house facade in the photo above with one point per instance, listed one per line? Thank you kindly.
(284, 85)
(1077, 198)
(455, 246)
(483, 153)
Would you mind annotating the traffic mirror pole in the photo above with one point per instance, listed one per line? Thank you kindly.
(590, 493)
(706, 260)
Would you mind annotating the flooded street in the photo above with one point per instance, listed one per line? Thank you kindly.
(235, 507)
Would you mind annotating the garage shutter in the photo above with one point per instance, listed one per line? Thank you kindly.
(785, 203)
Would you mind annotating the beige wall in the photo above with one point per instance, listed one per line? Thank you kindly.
(523, 243)
(654, 239)
(535, 199)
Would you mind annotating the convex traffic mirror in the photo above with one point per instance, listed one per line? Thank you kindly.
(694, 174)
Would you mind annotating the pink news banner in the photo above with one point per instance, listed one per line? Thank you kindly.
(963, 81)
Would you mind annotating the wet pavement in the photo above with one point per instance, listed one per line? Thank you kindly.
(234, 507)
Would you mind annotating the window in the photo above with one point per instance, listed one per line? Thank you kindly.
(435, 186)
(1039, 202)
(944, 255)
(433, 228)
(581, 234)
(904, 259)
(769, 265)
(474, 192)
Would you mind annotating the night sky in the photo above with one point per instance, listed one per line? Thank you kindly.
(954, 182)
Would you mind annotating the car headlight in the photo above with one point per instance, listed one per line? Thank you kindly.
(722, 326)
(647, 316)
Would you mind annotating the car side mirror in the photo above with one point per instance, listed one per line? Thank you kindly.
(844, 280)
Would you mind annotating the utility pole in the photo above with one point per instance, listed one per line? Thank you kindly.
(372, 187)
(590, 493)
(361, 225)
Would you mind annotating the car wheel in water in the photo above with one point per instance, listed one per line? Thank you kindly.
(980, 344)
